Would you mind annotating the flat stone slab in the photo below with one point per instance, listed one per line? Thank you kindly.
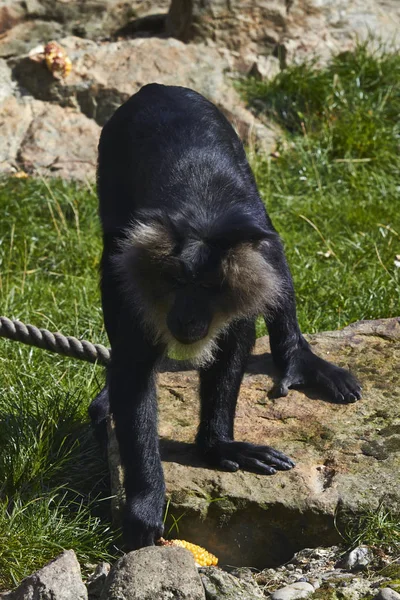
(347, 456)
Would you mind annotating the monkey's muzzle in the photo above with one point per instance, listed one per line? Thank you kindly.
(189, 318)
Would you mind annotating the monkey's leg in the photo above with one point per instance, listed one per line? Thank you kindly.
(131, 382)
(219, 389)
(98, 412)
(292, 353)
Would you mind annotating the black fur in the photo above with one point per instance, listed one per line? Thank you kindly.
(168, 157)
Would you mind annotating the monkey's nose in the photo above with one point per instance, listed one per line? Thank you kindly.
(187, 329)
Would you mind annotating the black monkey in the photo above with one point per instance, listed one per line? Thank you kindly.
(190, 259)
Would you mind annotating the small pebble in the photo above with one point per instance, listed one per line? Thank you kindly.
(357, 559)
(315, 583)
(289, 567)
(336, 575)
(293, 591)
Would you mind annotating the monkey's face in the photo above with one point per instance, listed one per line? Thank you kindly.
(189, 292)
(191, 313)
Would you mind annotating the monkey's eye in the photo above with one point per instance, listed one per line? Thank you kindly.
(211, 286)
(173, 279)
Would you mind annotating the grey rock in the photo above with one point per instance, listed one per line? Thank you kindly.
(105, 75)
(290, 567)
(306, 494)
(6, 84)
(244, 573)
(234, 23)
(154, 573)
(290, 29)
(28, 34)
(293, 591)
(60, 142)
(220, 585)
(15, 118)
(95, 582)
(97, 19)
(317, 566)
(387, 594)
(58, 580)
(336, 575)
(357, 559)
(265, 67)
(354, 589)
(11, 13)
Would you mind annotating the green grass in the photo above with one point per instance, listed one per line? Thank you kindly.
(334, 192)
(340, 221)
(379, 528)
(52, 478)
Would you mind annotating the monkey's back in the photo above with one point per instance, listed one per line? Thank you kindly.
(169, 146)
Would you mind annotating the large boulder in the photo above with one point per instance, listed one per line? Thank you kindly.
(60, 579)
(26, 23)
(348, 456)
(96, 19)
(60, 141)
(231, 23)
(15, 118)
(11, 13)
(154, 574)
(320, 28)
(292, 29)
(41, 137)
(105, 75)
(28, 34)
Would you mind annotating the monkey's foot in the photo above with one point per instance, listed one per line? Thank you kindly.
(307, 369)
(231, 456)
(143, 524)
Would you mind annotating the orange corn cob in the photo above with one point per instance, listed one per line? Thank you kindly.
(201, 556)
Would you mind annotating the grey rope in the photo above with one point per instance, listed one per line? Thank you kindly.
(55, 342)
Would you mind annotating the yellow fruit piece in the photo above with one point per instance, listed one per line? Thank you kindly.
(201, 556)
(57, 60)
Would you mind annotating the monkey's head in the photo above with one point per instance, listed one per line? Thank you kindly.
(189, 282)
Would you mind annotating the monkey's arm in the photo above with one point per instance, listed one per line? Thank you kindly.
(131, 383)
(292, 353)
(219, 388)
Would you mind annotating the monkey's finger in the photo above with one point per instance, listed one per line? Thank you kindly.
(350, 398)
(275, 458)
(274, 452)
(349, 389)
(286, 383)
(353, 391)
(229, 465)
(282, 389)
(256, 466)
(277, 463)
(332, 388)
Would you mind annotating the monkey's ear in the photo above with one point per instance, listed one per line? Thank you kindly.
(252, 232)
(238, 232)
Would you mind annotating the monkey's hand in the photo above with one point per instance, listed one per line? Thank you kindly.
(231, 456)
(143, 524)
(307, 369)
